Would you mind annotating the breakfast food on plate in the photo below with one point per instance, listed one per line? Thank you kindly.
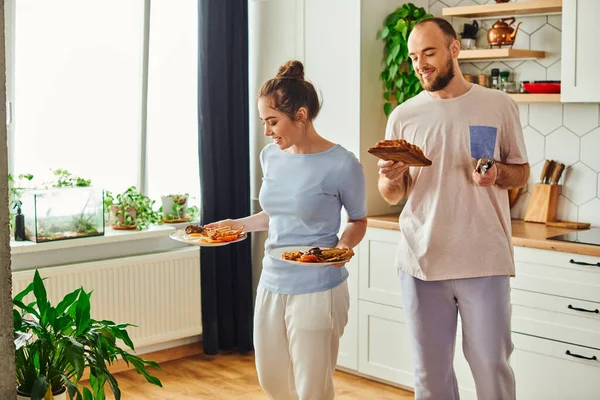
(318, 255)
(400, 150)
(399, 144)
(214, 235)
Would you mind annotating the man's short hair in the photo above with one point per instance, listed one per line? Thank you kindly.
(445, 26)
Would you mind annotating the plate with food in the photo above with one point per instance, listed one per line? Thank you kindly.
(198, 235)
(400, 150)
(311, 256)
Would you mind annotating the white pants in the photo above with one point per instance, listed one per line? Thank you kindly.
(296, 342)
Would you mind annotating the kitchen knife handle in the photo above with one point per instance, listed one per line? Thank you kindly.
(557, 173)
(544, 171)
(550, 171)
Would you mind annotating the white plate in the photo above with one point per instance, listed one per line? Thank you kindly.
(276, 254)
(181, 236)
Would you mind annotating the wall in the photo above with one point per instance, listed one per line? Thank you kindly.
(569, 133)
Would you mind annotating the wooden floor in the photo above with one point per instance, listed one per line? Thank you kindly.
(232, 376)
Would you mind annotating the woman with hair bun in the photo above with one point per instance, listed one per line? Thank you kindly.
(301, 311)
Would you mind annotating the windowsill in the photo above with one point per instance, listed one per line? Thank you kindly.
(110, 236)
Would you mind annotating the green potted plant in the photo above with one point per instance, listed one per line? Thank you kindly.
(400, 82)
(174, 207)
(130, 209)
(66, 179)
(54, 345)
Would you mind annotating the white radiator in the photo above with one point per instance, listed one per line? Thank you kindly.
(160, 293)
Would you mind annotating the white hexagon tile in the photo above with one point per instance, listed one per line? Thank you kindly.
(590, 150)
(590, 212)
(562, 146)
(524, 113)
(520, 207)
(530, 24)
(553, 72)
(529, 71)
(555, 21)
(534, 142)
(580, 184)
(545, 118)
(547, 38)
(580, 118)
(566, 210)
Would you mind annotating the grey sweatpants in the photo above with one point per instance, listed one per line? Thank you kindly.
(431, 309)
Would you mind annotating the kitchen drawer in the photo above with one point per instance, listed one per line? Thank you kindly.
(557, 318)
(544, 370)
(551, 272)
(379, 281)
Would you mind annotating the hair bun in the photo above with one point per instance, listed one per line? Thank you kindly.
(291, 70)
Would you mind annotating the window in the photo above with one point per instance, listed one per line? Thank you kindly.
(79, 93)
(172, 138)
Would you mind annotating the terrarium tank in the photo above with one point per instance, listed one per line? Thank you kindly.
(63, 213)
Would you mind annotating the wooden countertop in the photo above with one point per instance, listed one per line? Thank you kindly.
(524, 234)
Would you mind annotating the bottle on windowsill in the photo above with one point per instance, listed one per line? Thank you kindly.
(19, 224)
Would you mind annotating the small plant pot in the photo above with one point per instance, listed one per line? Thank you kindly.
(174, 208)
(121, 218)
(59, 394)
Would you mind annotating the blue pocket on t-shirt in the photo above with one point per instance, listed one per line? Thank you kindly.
(483, 141)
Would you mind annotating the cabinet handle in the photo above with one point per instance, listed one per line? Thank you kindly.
(593, 358)
(584, 263)
(583, 309)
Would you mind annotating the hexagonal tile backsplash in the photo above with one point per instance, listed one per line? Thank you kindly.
(568, 133)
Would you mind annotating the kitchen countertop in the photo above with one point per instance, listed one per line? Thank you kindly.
(524, 234)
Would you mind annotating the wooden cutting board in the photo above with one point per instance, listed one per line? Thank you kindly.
(407, 156)
(569, 224)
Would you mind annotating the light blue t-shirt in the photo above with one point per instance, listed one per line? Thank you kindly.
(303, 195)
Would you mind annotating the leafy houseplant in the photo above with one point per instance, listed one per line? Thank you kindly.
(399, 80)
(54, 345)
(131, 209)
(66, 179)
(174, 207)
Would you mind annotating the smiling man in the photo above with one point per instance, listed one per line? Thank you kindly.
(455, 253)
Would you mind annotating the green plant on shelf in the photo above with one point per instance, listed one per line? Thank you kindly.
(400, 82)
(66, 179)
(131, 209)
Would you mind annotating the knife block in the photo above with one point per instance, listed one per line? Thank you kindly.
(543, 204)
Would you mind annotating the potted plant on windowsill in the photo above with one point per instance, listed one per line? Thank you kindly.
(130, 210)
(54, 345)
(174, 208)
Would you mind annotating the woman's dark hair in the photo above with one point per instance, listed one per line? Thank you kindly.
(288, 91)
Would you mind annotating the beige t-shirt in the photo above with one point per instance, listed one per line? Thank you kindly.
(451, 228)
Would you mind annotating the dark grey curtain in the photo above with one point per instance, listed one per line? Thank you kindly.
(226, 271)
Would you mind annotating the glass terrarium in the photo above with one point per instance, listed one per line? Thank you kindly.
(63, 213)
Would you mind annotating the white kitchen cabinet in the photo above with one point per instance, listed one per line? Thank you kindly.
(554, 297)
(384, 350)
(379, 281)
(348, 353)
(580, 51)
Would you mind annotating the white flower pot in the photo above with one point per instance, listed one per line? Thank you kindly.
(61, 396)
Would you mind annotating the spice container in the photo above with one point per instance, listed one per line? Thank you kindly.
(482, 80)
(469, 78)
(495, 78)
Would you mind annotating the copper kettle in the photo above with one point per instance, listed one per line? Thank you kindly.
(501, 33)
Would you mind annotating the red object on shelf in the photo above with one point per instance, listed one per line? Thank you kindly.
(542, 87)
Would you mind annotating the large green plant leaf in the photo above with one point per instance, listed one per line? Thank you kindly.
(40, 387)
(25, 292)
(40, 293)
(67, 302)
(82, 316)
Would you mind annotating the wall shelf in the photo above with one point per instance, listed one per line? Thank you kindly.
(535, 97)
(496, 54)
(502, 9)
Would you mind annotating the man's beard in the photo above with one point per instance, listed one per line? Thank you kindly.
(442, 80)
